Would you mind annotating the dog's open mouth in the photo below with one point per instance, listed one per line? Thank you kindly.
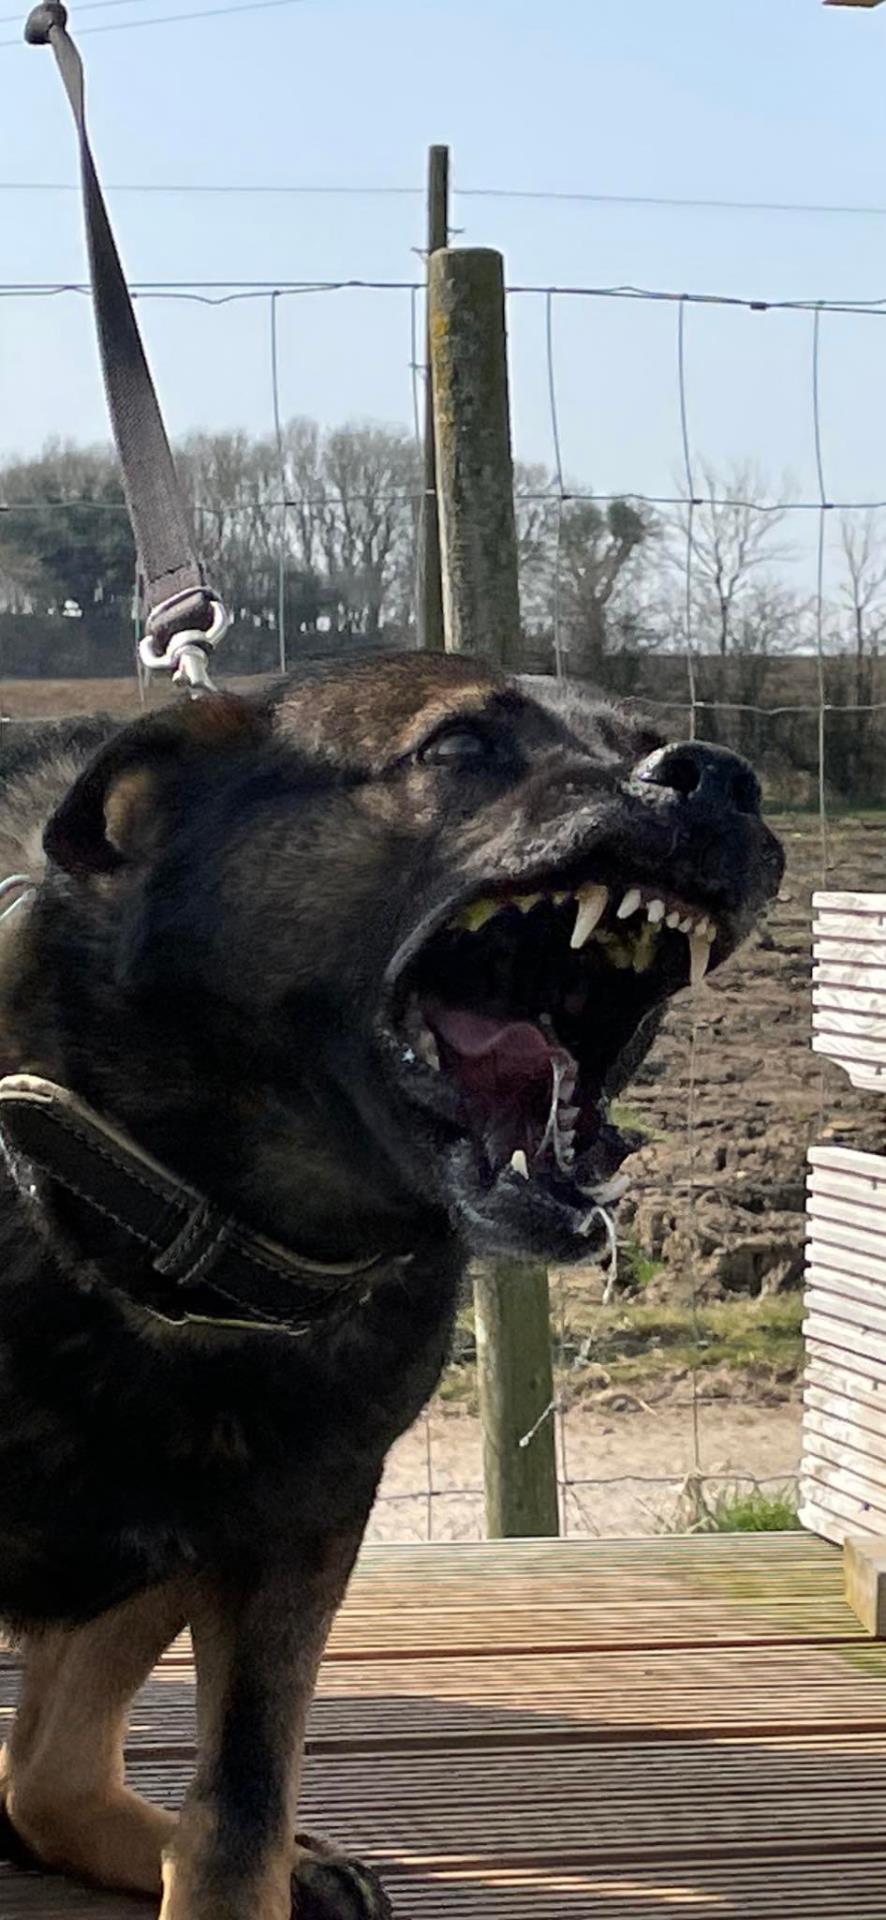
(516, 1015)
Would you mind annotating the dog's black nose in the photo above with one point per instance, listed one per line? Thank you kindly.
(711, 776)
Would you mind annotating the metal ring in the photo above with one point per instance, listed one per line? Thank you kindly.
(205, 637)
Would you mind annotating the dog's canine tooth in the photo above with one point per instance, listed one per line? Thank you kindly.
(699, 955)
(632, 900)
(519, 1163)
(592, 904)
(673, 920)
(655, 912)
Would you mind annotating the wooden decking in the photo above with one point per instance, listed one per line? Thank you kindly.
(619, 1731)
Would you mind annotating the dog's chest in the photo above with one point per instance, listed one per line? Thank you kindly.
(126, 1457)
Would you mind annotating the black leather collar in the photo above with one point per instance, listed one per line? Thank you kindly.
(174, 1254)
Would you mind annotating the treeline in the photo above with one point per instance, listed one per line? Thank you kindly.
(322, 530)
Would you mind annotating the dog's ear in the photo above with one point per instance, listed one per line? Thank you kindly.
(113, 815)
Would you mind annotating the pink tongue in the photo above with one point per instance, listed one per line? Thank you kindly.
(495, 1058)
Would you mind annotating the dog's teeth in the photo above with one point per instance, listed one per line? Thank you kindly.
(673, 920)
(705, 929)
(592, 903)
(475, 915)
(519, 1163)
(655, 912)
(560, 899)
(426, 1048)
(686, 924)
(526, 901)
(699, 955)
(630, 903)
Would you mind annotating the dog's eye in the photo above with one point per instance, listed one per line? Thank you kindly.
(460, 746)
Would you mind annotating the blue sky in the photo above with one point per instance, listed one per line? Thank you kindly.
(737, 99)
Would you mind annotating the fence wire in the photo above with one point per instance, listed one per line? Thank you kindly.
(434, 1482)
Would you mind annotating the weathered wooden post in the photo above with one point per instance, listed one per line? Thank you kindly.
(481, 607)
(430, 592)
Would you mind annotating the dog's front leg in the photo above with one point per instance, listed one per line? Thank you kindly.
(257, 1645)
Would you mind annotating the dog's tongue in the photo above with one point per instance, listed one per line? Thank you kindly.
(496, 1061)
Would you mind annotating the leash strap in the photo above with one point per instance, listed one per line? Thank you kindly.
(184, 618)
(199, 1262)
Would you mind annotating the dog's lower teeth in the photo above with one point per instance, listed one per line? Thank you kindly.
(426, 1048)
(519, 1163)
(699, 955)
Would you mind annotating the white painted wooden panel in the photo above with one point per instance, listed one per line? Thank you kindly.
(872, 903)
(849, 953)
(849, 1163)
(827, 973)
(849, 975)
(842, 1017)
(843, 1470)
(861, 928)
(854, 1212)
(860, 1045)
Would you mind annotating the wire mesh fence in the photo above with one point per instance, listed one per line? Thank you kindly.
(675, 1400)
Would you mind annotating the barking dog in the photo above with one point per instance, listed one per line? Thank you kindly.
(313, 998)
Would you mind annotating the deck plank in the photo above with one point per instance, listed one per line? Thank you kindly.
(542, 1731)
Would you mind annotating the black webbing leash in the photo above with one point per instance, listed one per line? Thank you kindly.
(184, 617)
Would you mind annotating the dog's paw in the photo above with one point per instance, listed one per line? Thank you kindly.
(330, 1886)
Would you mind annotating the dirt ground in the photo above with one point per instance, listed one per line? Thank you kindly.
(761, 1095)
(731, 1096)
(638, 1460)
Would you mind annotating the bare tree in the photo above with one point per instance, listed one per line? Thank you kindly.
(373, 487)
(863, 595)
(730, 538)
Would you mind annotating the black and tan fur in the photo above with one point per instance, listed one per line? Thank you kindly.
(205, 958)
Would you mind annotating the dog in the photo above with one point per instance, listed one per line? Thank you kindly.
(307, 999)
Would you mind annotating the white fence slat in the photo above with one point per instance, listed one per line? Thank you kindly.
(823, 901)
(837, 974)
(843, 1469)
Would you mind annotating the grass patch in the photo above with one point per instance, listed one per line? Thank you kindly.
(750, 1510)
(762, 1337)
(638, 1341)
(635, 1268)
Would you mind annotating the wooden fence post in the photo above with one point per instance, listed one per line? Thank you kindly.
(430, 593)
(481, 607)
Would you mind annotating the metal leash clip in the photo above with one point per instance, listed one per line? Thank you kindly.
(184, 653)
